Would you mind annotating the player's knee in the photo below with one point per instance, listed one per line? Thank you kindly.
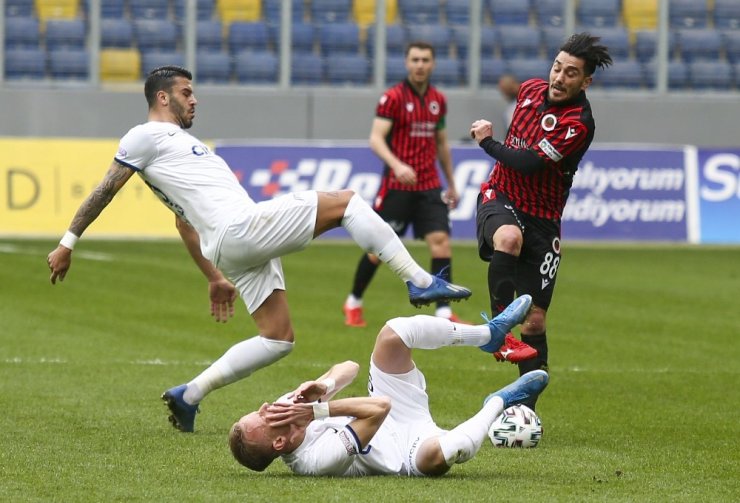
(534, 323)
(508, 239)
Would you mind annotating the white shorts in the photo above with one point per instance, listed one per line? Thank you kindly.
(409, 410)
(250, 250)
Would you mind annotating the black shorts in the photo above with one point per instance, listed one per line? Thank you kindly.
(540, 256)
(424, 209)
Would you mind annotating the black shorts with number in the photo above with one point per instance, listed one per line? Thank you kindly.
(540, 256)
(424, 209)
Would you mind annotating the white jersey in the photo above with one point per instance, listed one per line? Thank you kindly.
(188, 178)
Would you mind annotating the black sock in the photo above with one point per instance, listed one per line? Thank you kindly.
(363, 275)
(437, 265)
(501, 280)
(538, 342)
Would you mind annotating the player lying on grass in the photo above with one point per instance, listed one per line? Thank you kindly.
(390, 432)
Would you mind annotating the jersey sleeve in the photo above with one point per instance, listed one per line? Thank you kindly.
(136, 149)
(387, 106)
(566, 137)
(331, 454)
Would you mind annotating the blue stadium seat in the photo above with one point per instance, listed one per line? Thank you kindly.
(243, 35)
(69, 33)
(111, 9)
(699, 43)
(22, 32)
(271, 11)
(549, 13)
(331, 11)
(437, 35)
(617, 39)
(302, 36)
(395, 69)
(517, 41)
(149, 9)
(553, 38)
(461, 38)
(395, 40)
(346, 69)
(491, 70)
(597, 13)
(688, 13)
(678, 74)
(646, 43)
(156, 58)
(25, 63)
(209, 35)
(69, 63)
(530, 68)
(339, 38)
(419, 11)
(204, 9)
(213, 67)
(447, 72)
(155, 34)
(256, 67)
(624, 73)
(307, 69)
(726, 14)
(715, 75)
(732, 46)
(457, 12)
(116, 32)
(509, 12)
(19, 8)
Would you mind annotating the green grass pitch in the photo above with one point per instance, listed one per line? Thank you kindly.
(642, 405)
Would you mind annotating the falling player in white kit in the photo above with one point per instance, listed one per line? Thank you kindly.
(235, 242)
(390, 432)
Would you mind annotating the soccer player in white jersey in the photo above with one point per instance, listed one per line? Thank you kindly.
(390, 432)
(235, 242)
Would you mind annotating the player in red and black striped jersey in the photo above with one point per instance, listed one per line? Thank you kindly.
(520, 206)
(408, 134)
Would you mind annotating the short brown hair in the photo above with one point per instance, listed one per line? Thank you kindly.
(419, 44)
(250, 455)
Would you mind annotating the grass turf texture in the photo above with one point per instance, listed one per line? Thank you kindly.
(642, 403)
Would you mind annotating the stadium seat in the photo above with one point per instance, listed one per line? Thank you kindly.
(457, 12)
(339, 38)
(447, 72)
(732, 46)
(597, 13)
(509, 12)
(715, 75)
(22, 32)
(395, 40)
(517, 41)
(69, 33)
(419, 11)
(57, 9)
(549, 12)
(111, 9)
(364, 11)
(243, 35)
(149, 9)
(272, 13)
(256, 67)
(19, 8)
(155, 34)
(154, 59)
(529, 68)
(303, 37)
(209, 35)
(25, 63)
(395, 69)
(699, 43)
(640, 14)
(120, 65)
(239, 10)
(213, 67)
(437, 35)
(345, 69)
(69, 63)
(617, 39)
(461, 39)
(646, 43)
(331, 11)
(491, 70)
(688, 13)
(553, 38)
(624, 73)
(204, 9)
(678, 74)
(306, 69)
(726, 14)
(116, 33)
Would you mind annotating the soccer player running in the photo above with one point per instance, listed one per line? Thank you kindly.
(391, 431)
(235, 242)
(408, 134)
(520, 206)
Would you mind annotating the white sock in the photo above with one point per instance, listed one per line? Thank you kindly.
(375, 236)
(352, 302)
(443, 312)
(429, 332)
(465, 440)
(237, 363)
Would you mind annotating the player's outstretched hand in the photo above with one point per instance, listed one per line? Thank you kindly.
(281, 413)
(309, 391)
(59, 261)
(223, 295)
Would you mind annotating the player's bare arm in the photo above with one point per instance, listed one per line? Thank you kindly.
(445, 161)
(220, 290)
(325, 387)
(379, 132)
(60, 259)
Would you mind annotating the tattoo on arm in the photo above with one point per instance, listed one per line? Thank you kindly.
(99, 199)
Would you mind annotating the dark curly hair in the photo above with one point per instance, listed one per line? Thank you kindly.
(584, 46)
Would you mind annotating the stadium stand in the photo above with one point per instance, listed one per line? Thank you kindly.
(303, 37)
(491, 70)
(699, 43)
(22, 33)
(395, 40)
(598, 13)
(271, 11)
(213, 67)
(688, 13)
(252, 35)
(549, 12)
(616, 38)
(239, 10)
(331, 11)
(154, 59)
(447, 72)
(19, 8)
(438, 35)
(204, 9)
(553, 38)
(344, 69)
(715, 75)
(256, 67)
(57, 9)
(624, 73)
(419, 11)
(488, 40)
(731, 40)
(395, 69)
(508, 12)
(209, 35)
(518, 41)
(306, 69)
(364, 11)
(640, 14)
(120, 65)
(149, 9)
(339, 38)
(116, 32)
(25, 63)
(528, 68)
(65, 33)
(457, 12)
(678, 74)
(69, 63)
(726, 14)
(155, 34)
(110, 9)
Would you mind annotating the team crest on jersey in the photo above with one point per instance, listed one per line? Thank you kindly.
(409, 107)
(434, 108)
(549, 122)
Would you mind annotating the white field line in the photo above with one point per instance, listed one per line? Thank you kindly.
(28, 250)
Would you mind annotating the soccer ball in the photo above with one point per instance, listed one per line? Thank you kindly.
(517, 426)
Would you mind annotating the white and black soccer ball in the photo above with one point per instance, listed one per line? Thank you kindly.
(517, 426)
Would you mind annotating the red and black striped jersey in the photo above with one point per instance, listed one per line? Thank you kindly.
(413, 136)
(560, 134)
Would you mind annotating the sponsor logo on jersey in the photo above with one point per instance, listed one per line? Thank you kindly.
(409, 107)
(434, 108)
(549, 122)
(349, 445)
(549, 150)
(199, 150)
